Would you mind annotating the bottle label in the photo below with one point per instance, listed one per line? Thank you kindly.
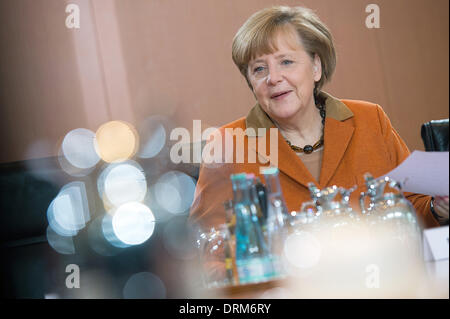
(254, 270)
(277, 264)
(228, 263)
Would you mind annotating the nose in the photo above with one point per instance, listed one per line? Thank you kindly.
(274, 76)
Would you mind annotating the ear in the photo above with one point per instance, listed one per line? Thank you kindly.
(317, 68)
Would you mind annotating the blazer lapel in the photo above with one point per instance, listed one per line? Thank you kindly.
(291, 164)
(337, 136)
(287, 161)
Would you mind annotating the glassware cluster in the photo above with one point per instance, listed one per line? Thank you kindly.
(249, 247)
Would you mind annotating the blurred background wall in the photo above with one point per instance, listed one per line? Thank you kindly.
(131, 59)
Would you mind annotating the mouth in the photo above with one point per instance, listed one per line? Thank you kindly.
(280, 94)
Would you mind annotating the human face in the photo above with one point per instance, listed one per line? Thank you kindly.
(283, 81)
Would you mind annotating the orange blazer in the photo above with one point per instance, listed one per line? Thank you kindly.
(358, 138)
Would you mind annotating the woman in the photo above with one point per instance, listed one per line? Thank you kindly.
(287, 55)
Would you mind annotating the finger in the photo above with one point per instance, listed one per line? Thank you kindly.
(442, 206)
(440, 202)
(442, 212)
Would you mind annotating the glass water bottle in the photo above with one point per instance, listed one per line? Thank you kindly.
(278, 219)
(252, 256)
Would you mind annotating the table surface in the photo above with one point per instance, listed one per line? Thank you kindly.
(436, 285)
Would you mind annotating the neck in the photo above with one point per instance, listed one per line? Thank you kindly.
(304, 128)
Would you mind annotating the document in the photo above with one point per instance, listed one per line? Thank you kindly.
(435, 242)
(423, 173)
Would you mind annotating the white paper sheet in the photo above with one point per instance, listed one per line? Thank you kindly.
(423, 173)
(435, 242)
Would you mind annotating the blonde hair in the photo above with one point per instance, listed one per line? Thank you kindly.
(257, 36)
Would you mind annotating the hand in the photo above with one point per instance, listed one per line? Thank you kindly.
(441, 207)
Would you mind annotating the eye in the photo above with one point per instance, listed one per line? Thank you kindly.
(287, 62)
(258, 69)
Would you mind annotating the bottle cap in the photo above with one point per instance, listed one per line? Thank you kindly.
(270, 171)
(240, 176)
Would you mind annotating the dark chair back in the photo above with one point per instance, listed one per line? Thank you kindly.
(435, 135)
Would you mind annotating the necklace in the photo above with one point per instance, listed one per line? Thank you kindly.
(308, 149)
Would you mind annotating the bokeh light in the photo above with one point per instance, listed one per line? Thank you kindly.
(302, 249)
(109, 234)
(116, 141)
(61, 244)
(144, 285)
(122, 183)
(69, 211)
(152, 136)
(70, 169)
(78, 147)
(174, 192)
(133, 223)
(97, 240)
